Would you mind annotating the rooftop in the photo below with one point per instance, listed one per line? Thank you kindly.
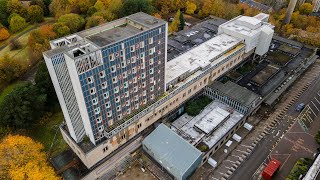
(171, 151)
(200, 56)
(185, 125)
(235, 91)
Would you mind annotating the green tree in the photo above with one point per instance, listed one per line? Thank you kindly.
(4, 14)
(133, 6)
(22, 106)
(182, 21)
(74, 21)
(306, 8)
(44, 83)
(16, 23)
(94, 21)
(61, 30)
(42, 5)
(35, 14)
(91, 11)
(60, 7)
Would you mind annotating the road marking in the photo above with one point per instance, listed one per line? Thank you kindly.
(315, 105)
(229, 161)
(285, 162)
(313, 112)
(245, 146)
(242, 151)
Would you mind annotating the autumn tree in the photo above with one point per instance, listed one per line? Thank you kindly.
(10, 69)
(190, 7)
(24, 158)
(38, 41)
(42, 4)
(165, 12)
(306, 8)
(15, 6)
(91, 11)
(22, 106)
(74, 21)
(61, 29)
(16, 23)
(60, 7)
(94, 21)
(35, 14)
(4, 33)
(174, 26)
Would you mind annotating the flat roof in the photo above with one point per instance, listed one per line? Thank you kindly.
(235, 91)
(185, 124)
(211, 120)
(171, 151)
(112, 35)
(199, 56)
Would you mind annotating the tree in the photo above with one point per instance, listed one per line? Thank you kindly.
(10, 69)
(35, 14)
(306, 8)
(23, 158)
(15, 6)
(22, 106)
(38, 41)
(4, 34)
(4, 14)
(182, 21)
(61, 30)
(16, 23)
(94, 21)
(174, 26)
(165, 12)
(44, 83)
(74, 21)
(191, 7)
(42, 5)
(60, 7)
(15, 44)
(133, 6)
(91, 11)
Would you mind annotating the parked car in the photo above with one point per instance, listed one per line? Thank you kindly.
(300, 107)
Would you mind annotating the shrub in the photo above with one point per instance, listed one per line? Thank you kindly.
(4, 34)
(194, 107)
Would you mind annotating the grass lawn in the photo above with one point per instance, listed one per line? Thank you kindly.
(45, 131)
(278, 57)
(195, 106)
(8, 89)
(16, 34)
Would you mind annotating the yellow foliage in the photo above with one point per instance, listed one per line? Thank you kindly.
(174, 26)
(191, 7)
(4, 34)
(23, 158)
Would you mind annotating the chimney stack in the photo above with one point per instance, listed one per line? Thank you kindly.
(289, 12)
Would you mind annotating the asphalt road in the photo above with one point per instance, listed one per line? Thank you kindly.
(260, 153)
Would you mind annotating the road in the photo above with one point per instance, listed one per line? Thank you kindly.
(262, 150)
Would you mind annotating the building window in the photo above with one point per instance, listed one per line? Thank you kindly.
(132, 48)
(128, 111)
(111, 57)
(105, 95)
(117, 99)
(133, 59)
(126, 94)
(109, 114)
(143, 84)
(151, 61)
(151, 80)
(113, 68)
(115, 79)
(135, 80)
(137, 106)
(118, 108)
(104, 85)
(95, 101)
(125, 84)
(134, 70)
(151, 88)
(144, 101)
(136, 98)
(142, 75)
(101, 128)
(144, 93)
(97, 110)
(151, 40)
(119, 117)
(151, 71)
(102, 74)
(123, 136)
(123, 64)
(142, 44)
(135, 89)
(108, 105)
(90, 79)
(125, 75)
(151, 51)
(116, 89)
(152, 96)
(99, 119)
(93, 91)
(139, 125)
(128, 103)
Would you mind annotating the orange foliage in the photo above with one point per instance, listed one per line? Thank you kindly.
(47, 31)
(23, 158)
(4, 34)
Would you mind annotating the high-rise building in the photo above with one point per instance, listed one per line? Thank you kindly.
(316, 5)
(107, 73)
